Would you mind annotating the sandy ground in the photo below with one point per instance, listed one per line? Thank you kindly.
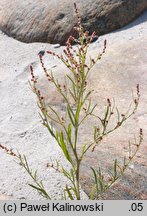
(20, 125)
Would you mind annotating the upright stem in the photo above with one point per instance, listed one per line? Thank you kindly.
(78, 180)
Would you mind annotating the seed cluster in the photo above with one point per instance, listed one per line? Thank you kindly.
(7, 150)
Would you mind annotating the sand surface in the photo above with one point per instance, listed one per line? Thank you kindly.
(20, 124)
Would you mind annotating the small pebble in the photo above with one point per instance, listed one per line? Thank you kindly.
(22, 198)
(23, 134)
(56, 45)
(54, 66)
(131, 166)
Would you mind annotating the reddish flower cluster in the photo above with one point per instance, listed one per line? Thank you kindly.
(92, 36)
(8, 151)
(108, 101)
(78, 17)
(93, 61)
(44, 68)
(62, 120)
(34, 80)
(54, 54)
(141, 132)
(39, 94)
(136, 100)
(69, 56)
(105, 46)
(104, 49)
(138, 90)
(69, 41)
(64, 87)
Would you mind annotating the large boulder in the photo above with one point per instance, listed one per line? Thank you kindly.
(53, 21)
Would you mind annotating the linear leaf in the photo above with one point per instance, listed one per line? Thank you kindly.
(64, 148)
(69, 130)
(69, 193)
(115, 168)
(70, 115)
(40, 190)
(96, 181)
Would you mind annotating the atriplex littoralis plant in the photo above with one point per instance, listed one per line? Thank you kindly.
(75, 59)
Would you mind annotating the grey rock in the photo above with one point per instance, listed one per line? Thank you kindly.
(53, 21)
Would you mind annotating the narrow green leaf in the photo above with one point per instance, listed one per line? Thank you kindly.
(64, 195)
(66, 173)
(100, 180)
(63, 147)
(72, 174)
(69, 130)
(89, 105)
(72, 94)
(95, 133)
(41, 184)
(87, 95)
(53, 110)
(57, 137)
(40, 190)
(92, 193)
(70, 115)
(115, 168)
(35, 175)
(62, 143)
(26, 164)
(83, 149)
(50, 130)
(101, 184)
(74, 190)
(78, 112)
(71, 80)
(73, 85)
(33, 186)
(96, 181)
(69, 193)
